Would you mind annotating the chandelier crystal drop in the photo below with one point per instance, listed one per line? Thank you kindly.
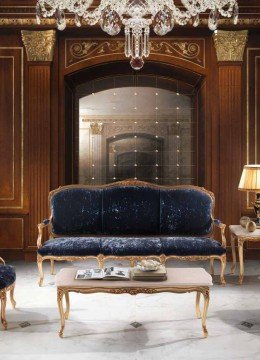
(137, 17)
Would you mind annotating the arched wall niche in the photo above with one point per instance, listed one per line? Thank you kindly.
(78, 84)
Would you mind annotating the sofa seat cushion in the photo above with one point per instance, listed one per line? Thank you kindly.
(7, 276)
(71, 246)
(189, 246)
(127, 246)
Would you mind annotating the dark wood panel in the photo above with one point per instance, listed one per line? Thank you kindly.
(201, 98)
(230, 142)
(11, 134)
(7, 127)
(39, 145)
(11, 233)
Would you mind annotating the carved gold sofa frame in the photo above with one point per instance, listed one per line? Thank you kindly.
(218, 232)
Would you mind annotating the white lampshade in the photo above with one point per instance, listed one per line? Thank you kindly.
(250, 178)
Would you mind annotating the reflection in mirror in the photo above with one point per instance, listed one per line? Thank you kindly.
(137, 132)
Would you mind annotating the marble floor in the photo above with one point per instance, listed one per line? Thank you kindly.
(100, 324)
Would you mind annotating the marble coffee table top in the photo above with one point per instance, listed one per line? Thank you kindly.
(176, 277)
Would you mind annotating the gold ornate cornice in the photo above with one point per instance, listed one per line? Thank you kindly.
(230, 45)
(31, 21)
(39, 45)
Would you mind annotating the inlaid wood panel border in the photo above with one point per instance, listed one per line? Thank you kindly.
(189, 51)
(13, 126)
(17, 199)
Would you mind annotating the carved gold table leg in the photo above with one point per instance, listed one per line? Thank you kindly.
(52, 267)
(3, 306)
(241, 259)
(60, 294)
(198, 313)
(233, 267)
(67, 305)
(212, 267)
(12, 297)
(205, 311)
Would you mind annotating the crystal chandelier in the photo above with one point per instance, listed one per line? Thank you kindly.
(137, 16)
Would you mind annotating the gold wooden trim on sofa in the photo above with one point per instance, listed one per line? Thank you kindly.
(101, 258)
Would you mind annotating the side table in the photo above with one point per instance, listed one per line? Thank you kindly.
(241, 235)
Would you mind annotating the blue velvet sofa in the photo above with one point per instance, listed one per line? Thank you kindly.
(131, 220)
(7, 283)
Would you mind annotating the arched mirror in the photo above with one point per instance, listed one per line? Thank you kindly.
(137, 129)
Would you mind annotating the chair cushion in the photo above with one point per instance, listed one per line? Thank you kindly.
(71, 246)
(131, 210)
(188, 246)
(7, 276)
(123, 246)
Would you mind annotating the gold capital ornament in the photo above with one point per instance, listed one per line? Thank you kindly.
(230, 45)
(96, 128)
(39, 45)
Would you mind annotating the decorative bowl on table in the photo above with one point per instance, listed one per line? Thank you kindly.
(148, 265)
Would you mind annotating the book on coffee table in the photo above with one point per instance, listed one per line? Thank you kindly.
(157, 275)
(110, 273)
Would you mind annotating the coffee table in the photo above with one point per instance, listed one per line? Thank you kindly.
(179, 280)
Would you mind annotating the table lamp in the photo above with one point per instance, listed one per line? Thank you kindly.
(250, 181)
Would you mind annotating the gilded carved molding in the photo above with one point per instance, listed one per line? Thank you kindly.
(96, 128)
(39, 45)
(230, 45)
(191, 50)
(70, 22)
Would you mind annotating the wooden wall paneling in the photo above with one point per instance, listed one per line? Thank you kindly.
(213, 137)
(251, 120)
(201, 97)
(55, 109)
(13, 180)
(11, 233)
(69, 135)
(62, 110)
(12, 126)
(230, 140)
(39, 114)
(251, 138)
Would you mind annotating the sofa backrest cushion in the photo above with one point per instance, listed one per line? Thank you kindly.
(134, 209)
(185, 211)
(77, 211)
(131, 210)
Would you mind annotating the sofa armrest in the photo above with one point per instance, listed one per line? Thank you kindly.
(41, 226)
(219, 229)
(2, 260)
